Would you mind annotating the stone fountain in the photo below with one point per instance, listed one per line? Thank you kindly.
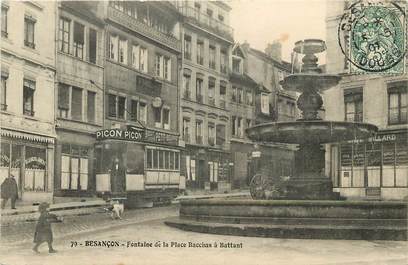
(304, 205)
(309, 133)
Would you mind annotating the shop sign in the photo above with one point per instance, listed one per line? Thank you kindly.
(118, 134)
(379, 138)
(138, 135)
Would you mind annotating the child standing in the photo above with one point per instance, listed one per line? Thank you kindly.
(43, 231)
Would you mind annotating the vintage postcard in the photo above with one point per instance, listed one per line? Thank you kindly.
(204, 132)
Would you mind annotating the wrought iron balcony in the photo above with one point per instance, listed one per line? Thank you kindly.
(143, 28)
(207, 22)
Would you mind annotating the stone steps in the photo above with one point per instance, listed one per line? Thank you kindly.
(353, 232)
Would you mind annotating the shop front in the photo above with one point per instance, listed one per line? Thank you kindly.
(138, 163)
(74, 165)
(208, 169)
(374, 168)
(30, 159)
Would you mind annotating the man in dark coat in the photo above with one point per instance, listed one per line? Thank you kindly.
(43, 231)
(9, 190)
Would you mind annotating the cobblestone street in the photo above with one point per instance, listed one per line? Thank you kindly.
(147, 235)
(16, 231)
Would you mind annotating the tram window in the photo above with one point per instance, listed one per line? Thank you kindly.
(155, 159)
(171, 160)
(149, 158)
(177, 160)
(166, 159)
(161, 159)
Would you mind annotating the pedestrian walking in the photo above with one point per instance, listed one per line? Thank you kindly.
(43, 231)
(9, 190)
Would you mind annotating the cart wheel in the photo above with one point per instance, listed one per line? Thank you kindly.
(259, 184)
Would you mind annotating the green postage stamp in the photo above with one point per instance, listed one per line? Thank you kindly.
(372, 36)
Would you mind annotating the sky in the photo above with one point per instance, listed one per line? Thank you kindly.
(260, 22)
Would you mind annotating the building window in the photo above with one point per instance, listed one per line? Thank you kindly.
(186, 130)
(135, 56)
(353, 105)
(28, 97)
(92, 45)
(240, 127)
(199, 132)
(209, 12)
(240, 95)
(212, 56)
(223, 61)
(121, 107)
(3, 92)
(64, 34)
(397, 104)
(123, 51)
(111, 106)
(200, 52)
(159, 65)
(211, 134)
(157, 117)
(264, 103)
(133, 110)
(223, 94)
(234, 94)
(113, 47)
(220, 134)
(35, 169)
(233, 125)
(74, 167)
(29, 26)
(211, 91)
(142, 112)
(187, 47)
(162, 159)
(63, 100)
(166, 118)
(199, 90)
(248, 123)
(76, 111)
(236, 65)
(249, 97)
(221, 18)
(4, 11)
(186, 86)
(143, 60)
(79, 40)
(167, 68)
(90, 106)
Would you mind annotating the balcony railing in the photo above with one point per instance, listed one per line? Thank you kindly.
(208, 22)
(199, 98)
(199, 139)
(144, 29)
(211, 101)
(187, 94)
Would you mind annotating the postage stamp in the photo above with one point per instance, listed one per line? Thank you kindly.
(372, 36)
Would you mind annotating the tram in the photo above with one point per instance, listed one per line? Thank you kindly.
(139, 166)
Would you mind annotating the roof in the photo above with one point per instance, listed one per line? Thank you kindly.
(285, 65)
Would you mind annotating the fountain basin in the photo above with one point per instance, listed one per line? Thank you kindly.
(361, 220)
(298, 82)
(310, 131)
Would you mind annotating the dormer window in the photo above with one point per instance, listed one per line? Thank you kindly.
(237, 65)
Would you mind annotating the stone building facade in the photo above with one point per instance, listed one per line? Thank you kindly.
(27, 97)
(376, 168)
(207, 40)
(79, 96)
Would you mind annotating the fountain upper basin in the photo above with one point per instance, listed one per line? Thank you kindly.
(310, 131)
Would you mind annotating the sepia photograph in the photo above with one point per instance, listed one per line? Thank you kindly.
(204, 132)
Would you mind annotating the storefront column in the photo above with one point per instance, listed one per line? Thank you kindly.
(50, 168)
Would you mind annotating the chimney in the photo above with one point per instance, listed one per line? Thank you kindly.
(274, 50)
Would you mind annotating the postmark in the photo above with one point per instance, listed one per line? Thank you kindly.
(372, 37)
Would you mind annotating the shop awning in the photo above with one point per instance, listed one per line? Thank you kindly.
(26, 136)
